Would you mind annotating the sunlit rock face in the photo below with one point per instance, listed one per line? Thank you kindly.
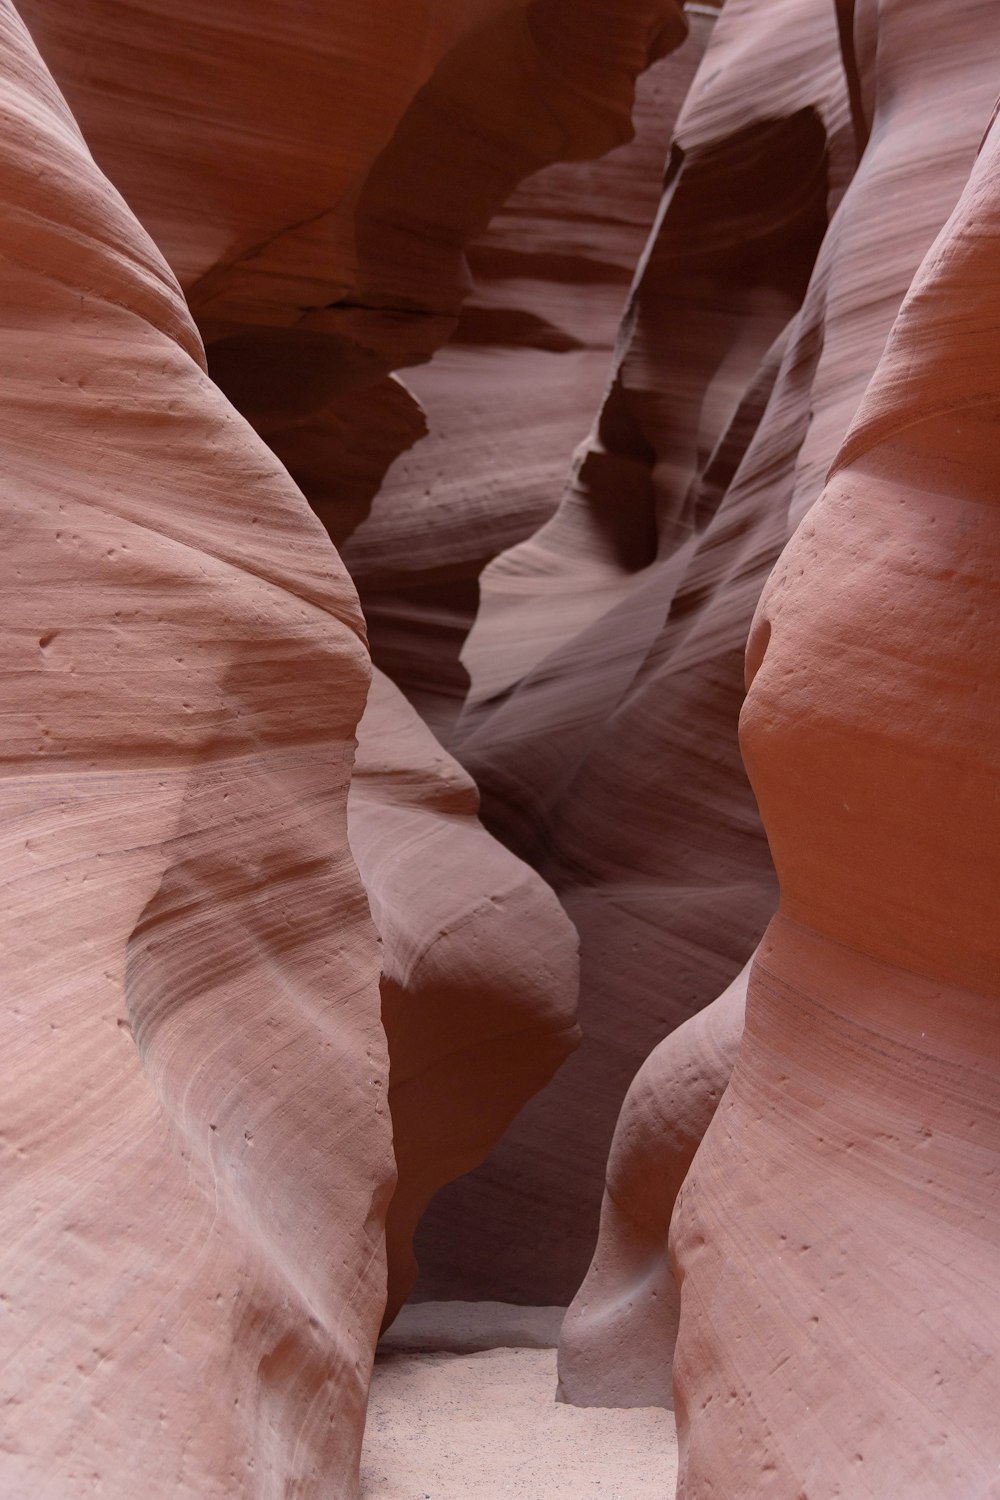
(841, 331)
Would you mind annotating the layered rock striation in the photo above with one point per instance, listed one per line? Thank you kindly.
(508, 397)
(618, 1338)
(275, 983)
(196, 1136)
(606, 660)
(313, 177)
(479, 964)
(854, 1158)
(346, 264)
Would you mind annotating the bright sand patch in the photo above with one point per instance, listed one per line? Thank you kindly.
(485, 1425)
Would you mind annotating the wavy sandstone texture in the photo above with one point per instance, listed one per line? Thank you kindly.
(478, 963)
(196, 1136)
(289, 286)
(508, 397)
(313, 172)
(844, 1210)
(252, 912)
(618, 1338)
(606, 660)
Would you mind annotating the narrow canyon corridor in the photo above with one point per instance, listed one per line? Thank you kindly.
(501, 750)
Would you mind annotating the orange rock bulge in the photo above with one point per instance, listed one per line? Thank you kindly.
(838, 1239)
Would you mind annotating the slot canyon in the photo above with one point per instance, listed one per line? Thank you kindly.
(501, 755)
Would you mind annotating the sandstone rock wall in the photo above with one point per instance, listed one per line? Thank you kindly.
(606, 660)
(508, 398)
(313, 173)
(235, 948)
(335, 258)
(196, 1137)
(618, 1336)
(251, 907)
(865, 1091)
(479, 965)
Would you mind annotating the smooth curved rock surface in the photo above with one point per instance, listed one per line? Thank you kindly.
(196, 1139)
(902, 191)
(843, 1212)
(479, 965)
(508, 397)
(313, 172)
(613, 764)
(337, 202)
(617, 1339)
(200, 1174)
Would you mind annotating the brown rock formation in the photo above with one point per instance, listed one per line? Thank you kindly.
(196, 1141)
(904, 188)
(509, 396)
(347, 264)
(618, 1336)
(312, 173)
(607, 659)
(478, 963)
(864, 1099)
(201, 1207)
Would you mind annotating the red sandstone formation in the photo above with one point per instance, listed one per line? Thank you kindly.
(335, 272)
(195, 1129)
(508, 398)
(312, 174)
(200, 1213)
(478, 963)
(843, 1214)
(903, 190)
(618, 1336)
(613, 764)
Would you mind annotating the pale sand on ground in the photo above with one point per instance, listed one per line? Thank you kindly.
(486, 1425)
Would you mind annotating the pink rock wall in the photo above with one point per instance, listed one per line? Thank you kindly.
(606, 660)
(509, 396)
(477, 1020)
(479, 965)
(208, 1212)
(865, 1090)
(196, 1138)
(618, 1339)
(317, 221)
(337, 273)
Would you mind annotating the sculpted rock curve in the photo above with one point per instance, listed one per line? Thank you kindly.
(479, 968)
(906, 184)
(858, 1145)
(612, 763)
(195, 1073)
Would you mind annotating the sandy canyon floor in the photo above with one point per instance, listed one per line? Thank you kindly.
(463, 1407)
